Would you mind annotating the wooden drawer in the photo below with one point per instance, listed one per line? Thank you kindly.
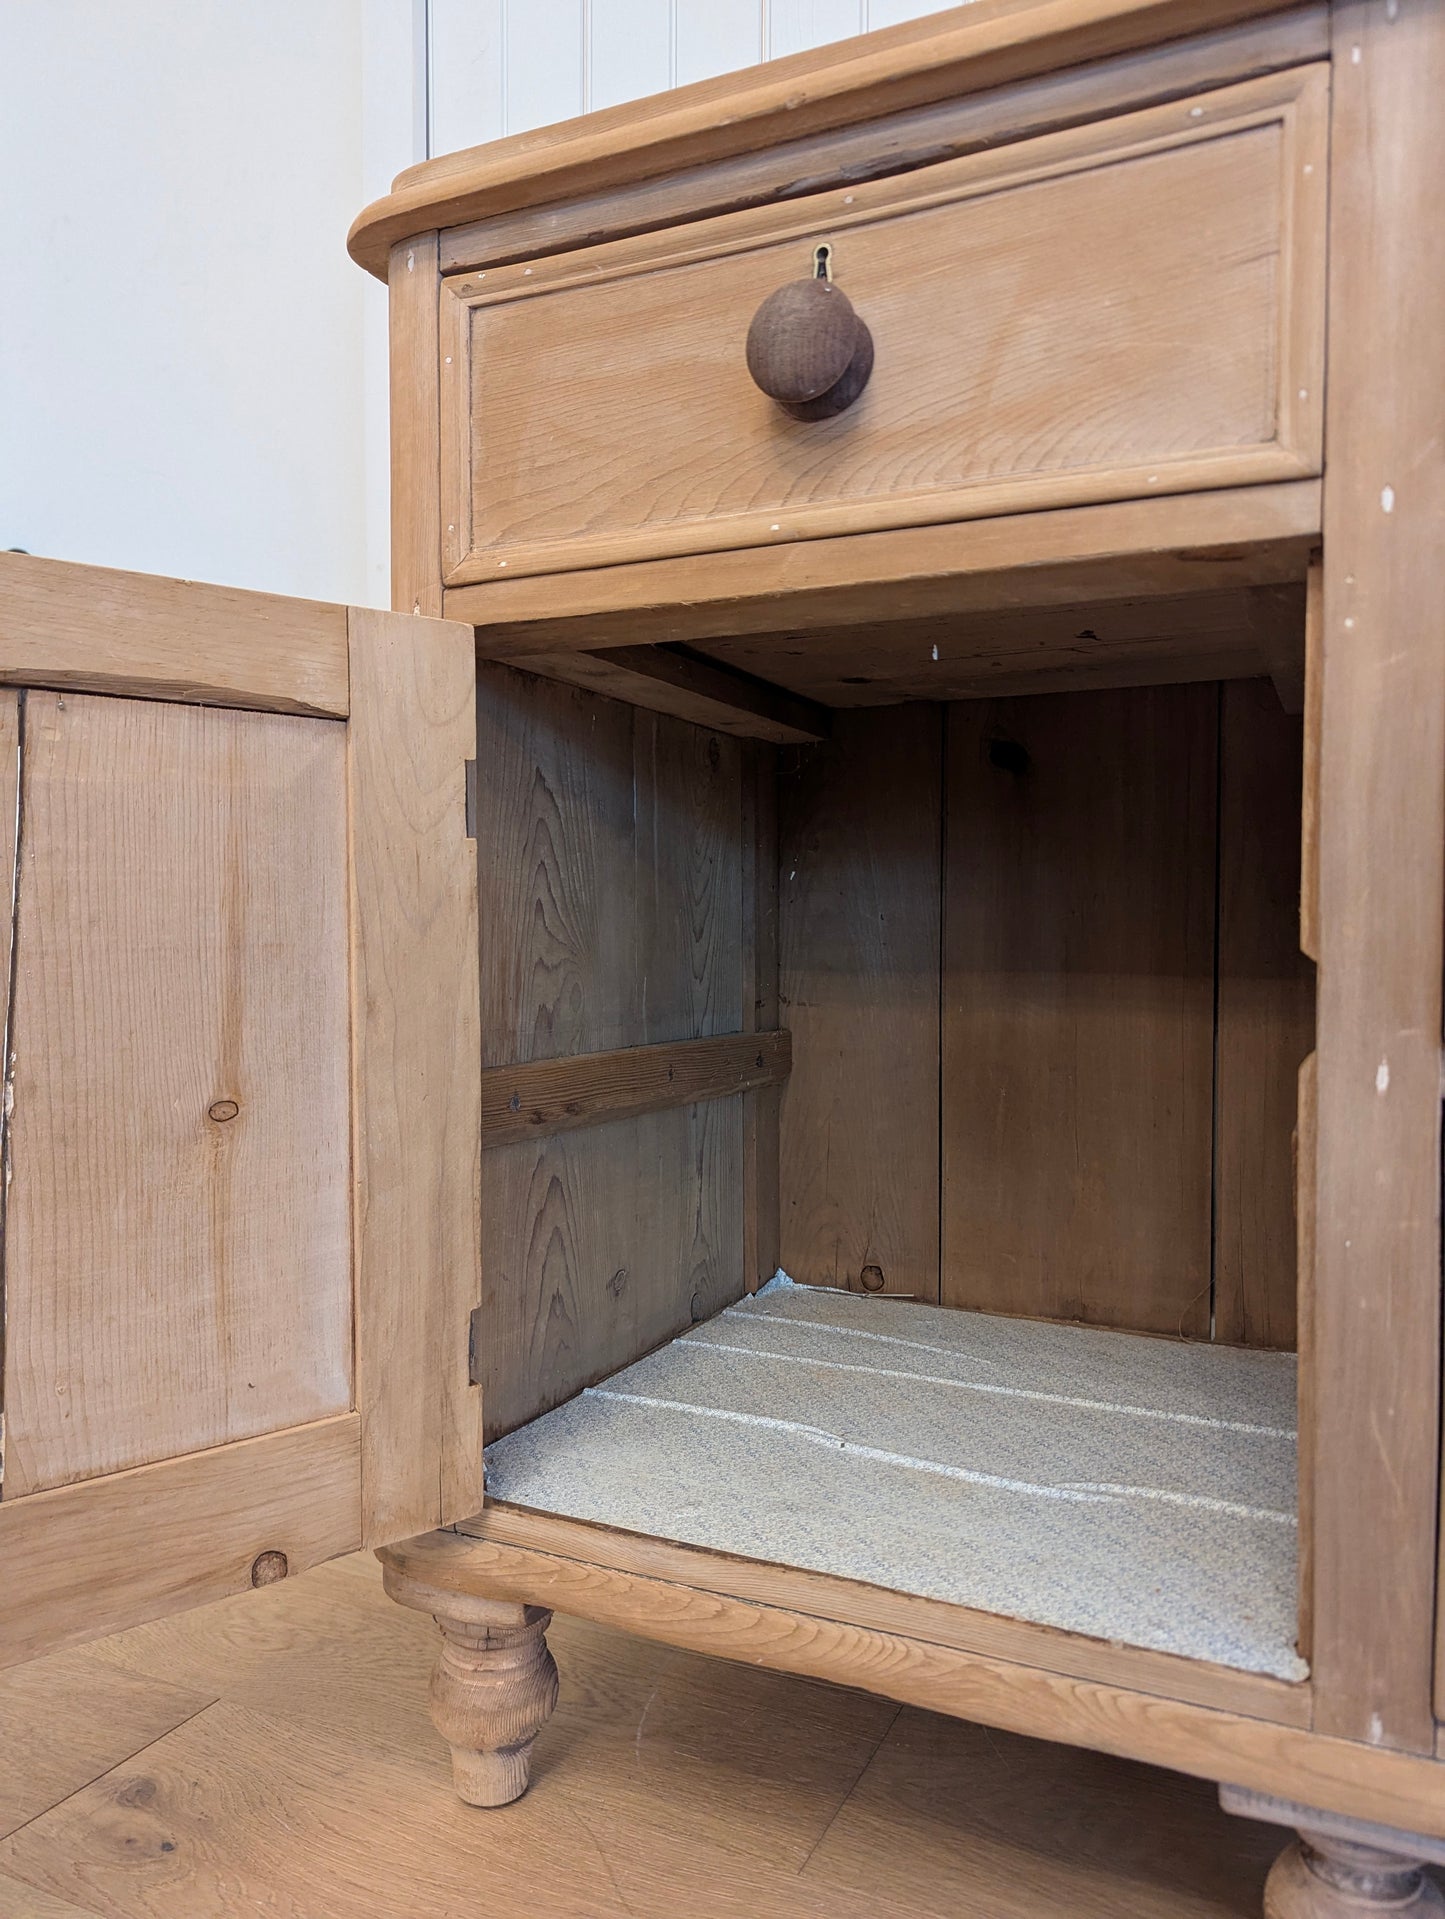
(1129, 307)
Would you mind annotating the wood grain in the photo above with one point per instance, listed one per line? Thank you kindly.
(1309, 900)
(879, 1609)
(416, 538)
(558, 1095)
(670, 680)
(1306, 1207)
(894, 143)
(1382, 764)
(1178, 545)
(1338, 1775)
(1171, 362)
(175, 1278)
(1104, 1861)
(1078, 1007)
(93, 629)
(688, 1784)
(1264, 1018)
(104, 1554)
(856, 80)
(416, 1092)
(70, 1718)
(762, 1161)
(610, 863)
(860, 863)
(1034, 649)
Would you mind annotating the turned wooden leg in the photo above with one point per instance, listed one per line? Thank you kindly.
(1320, 1877)
(493, 1688)
(1339, 1867)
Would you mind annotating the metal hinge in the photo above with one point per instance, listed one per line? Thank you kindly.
(470, 801)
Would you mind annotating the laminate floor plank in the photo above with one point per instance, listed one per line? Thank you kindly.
(315, 1788)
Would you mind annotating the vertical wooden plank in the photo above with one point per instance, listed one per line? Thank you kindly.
(860, 873)
(178, 1268)
(11, 707)
(416, 544)
(1306, 1148)
(1309, 882)
(416, 1086)
(1265, 1017)
(611, 872)
(1382, 805)
(1078, 1007)
(761, 1166)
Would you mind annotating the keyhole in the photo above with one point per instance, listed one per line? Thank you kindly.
(822, 261)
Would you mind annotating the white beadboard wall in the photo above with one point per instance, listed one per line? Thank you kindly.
(504, 66)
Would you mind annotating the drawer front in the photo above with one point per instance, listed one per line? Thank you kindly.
(1130, 307)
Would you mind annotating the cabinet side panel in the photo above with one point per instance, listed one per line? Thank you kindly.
(1078, 1007)
(178, 1259)
(610, 850)
(1265, 1017)
(1381, 836)
(860, 866)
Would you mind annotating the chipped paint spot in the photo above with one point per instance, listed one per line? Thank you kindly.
(1387, 499)
(1382, 1077)
(935, 649)
(411, 261)
(1377, 1729)
(1355, 56)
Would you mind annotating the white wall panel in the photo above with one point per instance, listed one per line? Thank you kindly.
(630, 50)
(506, 66)
(467, 62)
(792, 26)
(183, 342)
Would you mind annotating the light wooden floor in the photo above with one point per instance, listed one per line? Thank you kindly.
(272, 1755)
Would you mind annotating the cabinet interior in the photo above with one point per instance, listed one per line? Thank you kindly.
(1039, 956)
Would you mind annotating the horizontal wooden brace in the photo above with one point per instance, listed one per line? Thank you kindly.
(667, 679)
(556, 1095)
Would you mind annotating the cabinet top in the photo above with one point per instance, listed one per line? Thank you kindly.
(970, 48)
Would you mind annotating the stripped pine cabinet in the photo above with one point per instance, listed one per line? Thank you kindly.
(937, 1037)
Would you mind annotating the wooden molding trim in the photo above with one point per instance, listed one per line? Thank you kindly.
(897, 143)
(102, 1554)
(557, 1095)
(968, 50)
(706, 692)
(1366, 1782)
(96, 630)
(1171, 544)
(878, 1609)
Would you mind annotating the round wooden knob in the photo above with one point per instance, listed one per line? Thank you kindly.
(808, 350)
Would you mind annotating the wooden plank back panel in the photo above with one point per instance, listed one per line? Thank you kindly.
(860, 863)
(1265, 1017)
(1077, 1007)
(179, 1214)
(1119, 309)
(609, 841)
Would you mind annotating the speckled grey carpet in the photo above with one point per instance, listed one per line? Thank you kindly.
(1131, 1488)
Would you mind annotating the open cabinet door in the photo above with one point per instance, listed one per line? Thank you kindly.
(241, 1122)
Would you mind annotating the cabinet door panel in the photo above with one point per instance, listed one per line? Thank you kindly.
(241, 1130)
(177, 1243)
